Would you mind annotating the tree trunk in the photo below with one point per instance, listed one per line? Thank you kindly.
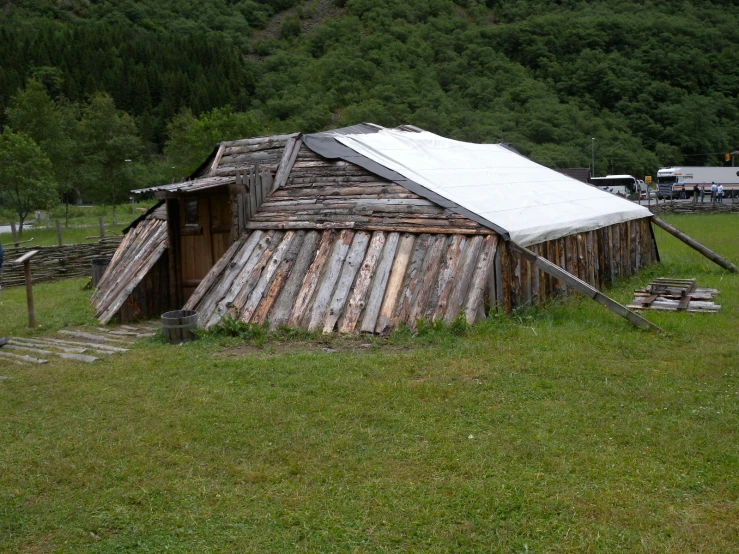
(21, 219)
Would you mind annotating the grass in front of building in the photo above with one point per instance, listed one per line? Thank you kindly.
(556, 429)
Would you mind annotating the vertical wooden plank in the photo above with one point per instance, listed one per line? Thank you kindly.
(616, 251)
(254, 278)
(397, 275)
(305, 294)
(571, 255)
(506, 277)
(638, 243)
(296, 275)
(266, 277)
(379, 283)
(348, 272)
(474, 308)
(590, 256)
(633, 246)
(428, 275)
(582, 258)
(58, 232)
(536, 295)
(29, 294)
(362, 286)
(602, 257)
(607, 267)
(173, 257)
(216, 304)
(102, 227)
(498, 284)
(562, 262)
(328, 279)
(625, 250)
(463, 278)
(443, 286)
(410, 281)
(525, 269)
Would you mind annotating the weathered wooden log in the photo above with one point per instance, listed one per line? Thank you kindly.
(695, 245)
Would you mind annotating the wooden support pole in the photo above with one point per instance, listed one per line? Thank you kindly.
(102, 227)
(582, 287)
(694, 244)
(26, 261)
(58, 233)
(15, 233)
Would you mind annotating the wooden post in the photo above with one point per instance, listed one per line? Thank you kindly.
(694, 244)
(15, 233)
(26, 261)
(582, 286)
(102, 227)
(58, 233)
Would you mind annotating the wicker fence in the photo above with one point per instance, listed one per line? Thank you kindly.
(56, 262)
(724, 207)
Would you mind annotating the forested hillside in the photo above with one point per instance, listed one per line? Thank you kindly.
(654, 82)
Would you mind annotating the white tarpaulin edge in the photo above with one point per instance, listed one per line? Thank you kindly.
(532, 202)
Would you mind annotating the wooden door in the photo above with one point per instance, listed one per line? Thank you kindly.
(195, 242)
(220, 225)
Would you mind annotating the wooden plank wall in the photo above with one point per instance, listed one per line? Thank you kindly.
(140, 250)
(350, 281)
(151, 297)
(324, 194)
(597, 257)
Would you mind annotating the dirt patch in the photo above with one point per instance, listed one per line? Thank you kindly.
(332, 345)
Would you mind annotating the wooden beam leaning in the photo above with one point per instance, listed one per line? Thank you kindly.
(582, 287)
(695, 245)
(217, 159)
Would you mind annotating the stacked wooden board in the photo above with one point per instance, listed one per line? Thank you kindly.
(675, 295)
(79, 345)
(139, 252)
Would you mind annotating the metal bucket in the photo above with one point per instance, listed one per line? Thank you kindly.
(178, 326)
(99, 265)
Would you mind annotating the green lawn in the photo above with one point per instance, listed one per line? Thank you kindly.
(555, 430)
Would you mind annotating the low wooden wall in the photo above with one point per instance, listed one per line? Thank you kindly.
(56, 262)
(597, 257)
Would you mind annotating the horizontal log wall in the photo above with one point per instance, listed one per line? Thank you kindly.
(56, 262)
(597, 257)
(350, 281)
(326, 194)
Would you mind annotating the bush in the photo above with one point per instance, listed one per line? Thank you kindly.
(290, 27)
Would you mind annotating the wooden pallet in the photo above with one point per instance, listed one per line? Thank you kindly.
(675, 295)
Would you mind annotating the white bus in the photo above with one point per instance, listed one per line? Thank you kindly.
(623, 185)
(679, 182)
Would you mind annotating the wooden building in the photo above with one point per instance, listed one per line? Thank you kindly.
(305, 231)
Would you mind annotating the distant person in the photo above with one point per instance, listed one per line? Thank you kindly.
(720, 193)
(695, 193)
(3, 340)
(714, 190)
(703, 192)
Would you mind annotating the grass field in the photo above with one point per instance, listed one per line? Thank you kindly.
(83, 223)
(554, 430)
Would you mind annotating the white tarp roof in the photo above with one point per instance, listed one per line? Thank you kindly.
(532, 202)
